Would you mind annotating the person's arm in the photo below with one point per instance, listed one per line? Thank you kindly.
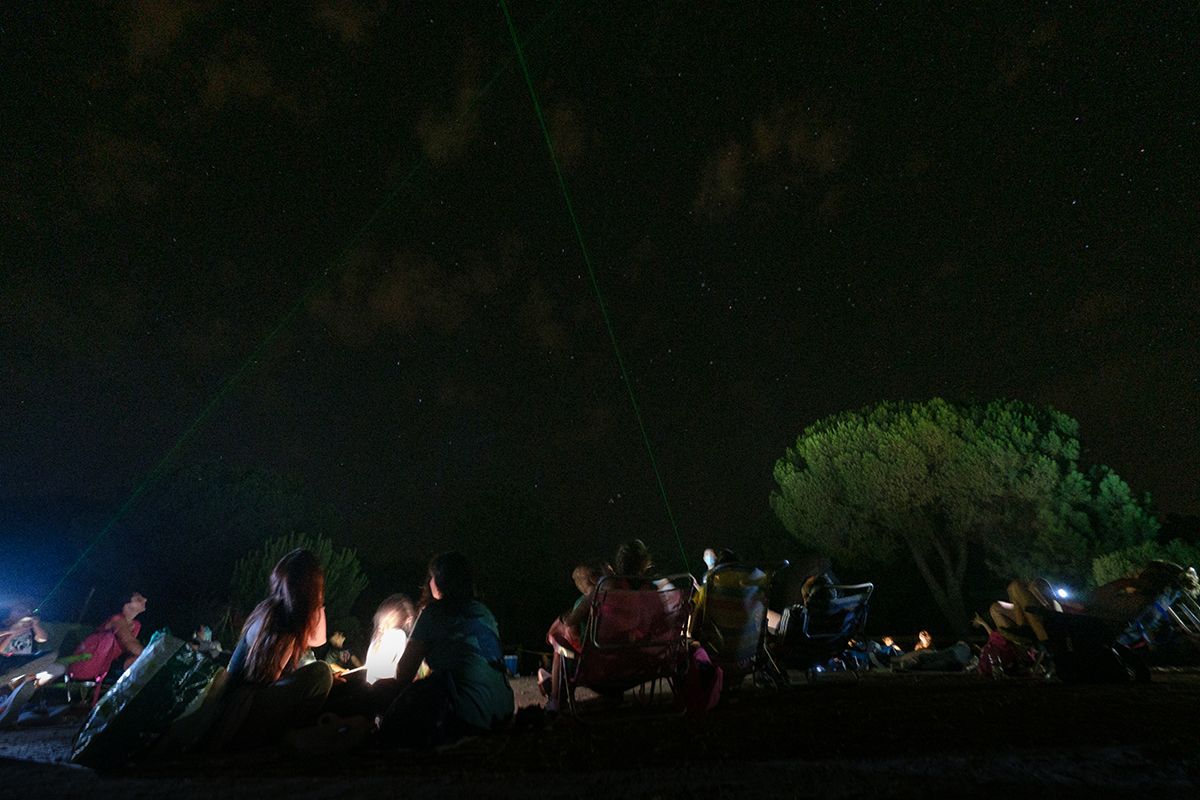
(317, 637)
(124, 633)
(410, 662)
(39, 633)
(577, 615)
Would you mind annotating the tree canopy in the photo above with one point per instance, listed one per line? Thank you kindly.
(947, 483)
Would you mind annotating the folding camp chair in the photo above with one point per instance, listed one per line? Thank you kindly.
(730, 619)
(812, 635)
(636, 633)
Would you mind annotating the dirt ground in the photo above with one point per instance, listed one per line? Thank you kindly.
(883, 735)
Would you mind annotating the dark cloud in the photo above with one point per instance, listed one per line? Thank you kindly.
(570, 135)
(722, 181)
(237, 71)
(153, 27)
(780, 149)
(352, 20)
(447, 129)
(117, 171)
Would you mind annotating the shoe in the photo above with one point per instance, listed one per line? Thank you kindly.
(10, 707)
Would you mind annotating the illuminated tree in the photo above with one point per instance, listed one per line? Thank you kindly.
(945, 484)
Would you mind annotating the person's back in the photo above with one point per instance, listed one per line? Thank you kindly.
(462, 639)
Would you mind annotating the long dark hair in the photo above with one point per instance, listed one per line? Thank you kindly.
(285, 618)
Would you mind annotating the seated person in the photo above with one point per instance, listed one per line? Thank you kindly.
(716, 556)
(24, 668)
(116, 637)
(338, 656)
(267, 691)
(204, 643)
(633, 567)
(393, 622)
(1133, 607)
(1012, 616)
(20, 634)
(946, 659)
(456, 637)
(567, 629)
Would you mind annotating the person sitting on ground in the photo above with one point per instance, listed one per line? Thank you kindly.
(456, 637)
(116, 637)
(204, 643)
(947, 659)
(393, 622)
(338, 656)
(268, 691)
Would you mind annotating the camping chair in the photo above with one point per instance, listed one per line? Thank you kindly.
(731, 619)
(807, 638)
(1184, 615)
(633, 636)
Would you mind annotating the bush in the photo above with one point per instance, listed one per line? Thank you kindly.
(344, 578)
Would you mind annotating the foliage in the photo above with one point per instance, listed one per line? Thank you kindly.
(179, 544)
(344, 578)
(945, 483)
(1127, 562)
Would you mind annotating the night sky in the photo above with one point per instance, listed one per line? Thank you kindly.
(791, 212)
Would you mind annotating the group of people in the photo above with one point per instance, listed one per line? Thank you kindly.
(429, 677)
(435, 671)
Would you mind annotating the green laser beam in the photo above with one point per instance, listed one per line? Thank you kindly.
(151, 478)
(587, 260)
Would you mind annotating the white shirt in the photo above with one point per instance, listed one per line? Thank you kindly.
(384, 654)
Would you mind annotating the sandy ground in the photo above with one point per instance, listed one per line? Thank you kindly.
(883, 735)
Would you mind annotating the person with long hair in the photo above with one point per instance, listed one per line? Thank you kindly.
(457, 639)
(391, 627)
(268, 691)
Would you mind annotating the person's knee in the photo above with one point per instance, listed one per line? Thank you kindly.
(317, 678)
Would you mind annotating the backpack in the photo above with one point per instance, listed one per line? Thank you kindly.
(1000, 656)
(103, 647)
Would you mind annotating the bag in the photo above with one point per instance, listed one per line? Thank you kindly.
(167, 682)
(1000, 656)
(703, 683)
(102, 650)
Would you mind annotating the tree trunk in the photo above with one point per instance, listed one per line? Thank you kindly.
(947, 594)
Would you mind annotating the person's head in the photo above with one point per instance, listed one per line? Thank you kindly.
(395, 612)
(337, 640)
(451, 578)
(716, 556)
(135, 605)
(586, 576)
(633, 558)
(925, 639)
(286, 618)
(203, 634)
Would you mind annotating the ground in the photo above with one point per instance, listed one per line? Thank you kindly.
(883, 735)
